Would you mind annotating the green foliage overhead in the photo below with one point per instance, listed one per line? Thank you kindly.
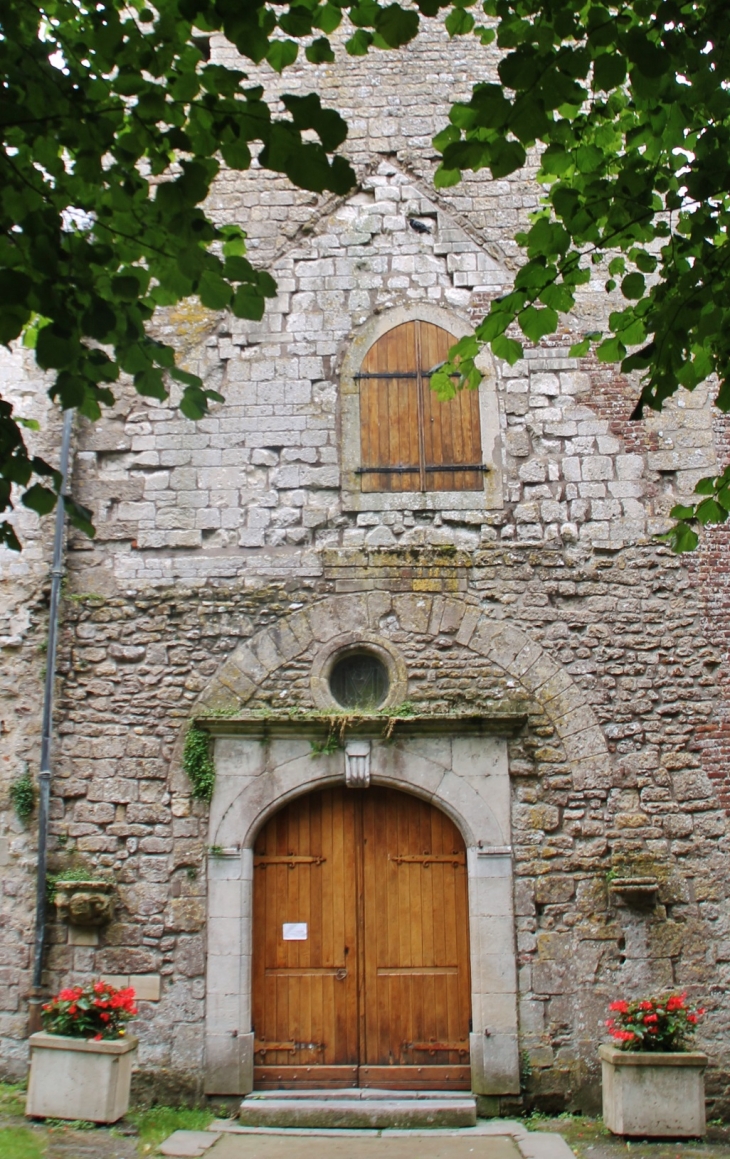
(630, 103)
(198, 763)
(115, 120)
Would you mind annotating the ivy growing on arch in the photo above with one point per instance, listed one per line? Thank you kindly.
(198, 762)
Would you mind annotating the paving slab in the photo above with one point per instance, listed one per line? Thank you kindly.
(188, 1144)
(360, 1146)
(503, 1139)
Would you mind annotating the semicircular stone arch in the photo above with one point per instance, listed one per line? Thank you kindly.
(532, 672)
(238, 814)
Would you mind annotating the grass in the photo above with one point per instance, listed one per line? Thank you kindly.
(20, 1143)
(153, 1124)
(12, 1098)
(156, 1123)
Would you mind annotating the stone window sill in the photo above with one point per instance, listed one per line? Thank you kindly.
(417, 501)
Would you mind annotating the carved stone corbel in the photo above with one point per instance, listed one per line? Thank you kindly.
(85, 903)
(357, 764)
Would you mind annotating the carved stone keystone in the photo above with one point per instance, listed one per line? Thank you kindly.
(357, 764)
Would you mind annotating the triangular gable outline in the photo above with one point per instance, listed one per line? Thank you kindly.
(316, 222)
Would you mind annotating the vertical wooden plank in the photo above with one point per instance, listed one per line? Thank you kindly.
(452, 428)
(389, 411)
(418, 364)
(435, 345)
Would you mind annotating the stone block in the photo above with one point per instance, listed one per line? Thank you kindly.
(146, 986)
(83, 936)
(495, 1068)
(188, 1144)
(554, 889)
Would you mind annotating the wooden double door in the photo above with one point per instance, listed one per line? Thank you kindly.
(361, 944)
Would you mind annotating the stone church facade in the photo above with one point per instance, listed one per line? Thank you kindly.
(552, 681)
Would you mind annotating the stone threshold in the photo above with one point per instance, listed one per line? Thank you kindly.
(358, 1107)
(367, 1093)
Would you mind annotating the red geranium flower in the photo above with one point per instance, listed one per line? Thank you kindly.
(662, 1023)
(97, 1011)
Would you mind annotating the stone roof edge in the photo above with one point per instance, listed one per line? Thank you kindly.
(330, 204)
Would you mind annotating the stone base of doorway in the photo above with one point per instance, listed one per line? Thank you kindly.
(359, 1107)
(489, 1139)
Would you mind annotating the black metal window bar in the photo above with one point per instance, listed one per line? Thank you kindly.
(400, 470)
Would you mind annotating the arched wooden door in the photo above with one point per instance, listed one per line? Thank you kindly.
(361, 944)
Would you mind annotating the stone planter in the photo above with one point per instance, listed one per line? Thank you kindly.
(77, 1078)
(660, 1095)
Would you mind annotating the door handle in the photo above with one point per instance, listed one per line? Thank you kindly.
(341, 974)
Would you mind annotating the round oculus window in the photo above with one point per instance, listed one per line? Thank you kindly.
(359, 680)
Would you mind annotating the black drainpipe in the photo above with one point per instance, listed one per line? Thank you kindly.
(35, 997)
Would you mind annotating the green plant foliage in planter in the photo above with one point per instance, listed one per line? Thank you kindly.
(198, 763)
(22, 796)
(75, 873)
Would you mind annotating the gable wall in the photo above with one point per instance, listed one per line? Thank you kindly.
(210, 534)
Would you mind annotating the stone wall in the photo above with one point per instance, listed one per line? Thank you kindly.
(214, 537)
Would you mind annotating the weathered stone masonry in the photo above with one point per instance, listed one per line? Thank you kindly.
(229, 552)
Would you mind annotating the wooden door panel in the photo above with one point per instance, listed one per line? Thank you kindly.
(305, 992)
(382, 980)
(452, 433)
(416, 1078)
(282, 1078)
(451, 429)
(389, 411)
(416, 952)
(403, 423)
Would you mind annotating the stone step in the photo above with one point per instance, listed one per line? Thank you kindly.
(358, 1109)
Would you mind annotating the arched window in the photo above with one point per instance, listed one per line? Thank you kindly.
(410, 441)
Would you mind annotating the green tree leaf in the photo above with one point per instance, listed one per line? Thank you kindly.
(396, 25)
(536, 323)
(459, 22)
(39, 499)
(281, 54)
(633, 286)
(319, 51)
(508, 349)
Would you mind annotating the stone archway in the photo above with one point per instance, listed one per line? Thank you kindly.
(261, 765)
(535, 673)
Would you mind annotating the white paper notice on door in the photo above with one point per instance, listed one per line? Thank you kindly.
(295, 931)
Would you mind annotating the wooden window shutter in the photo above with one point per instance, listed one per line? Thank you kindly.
(409, 440)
